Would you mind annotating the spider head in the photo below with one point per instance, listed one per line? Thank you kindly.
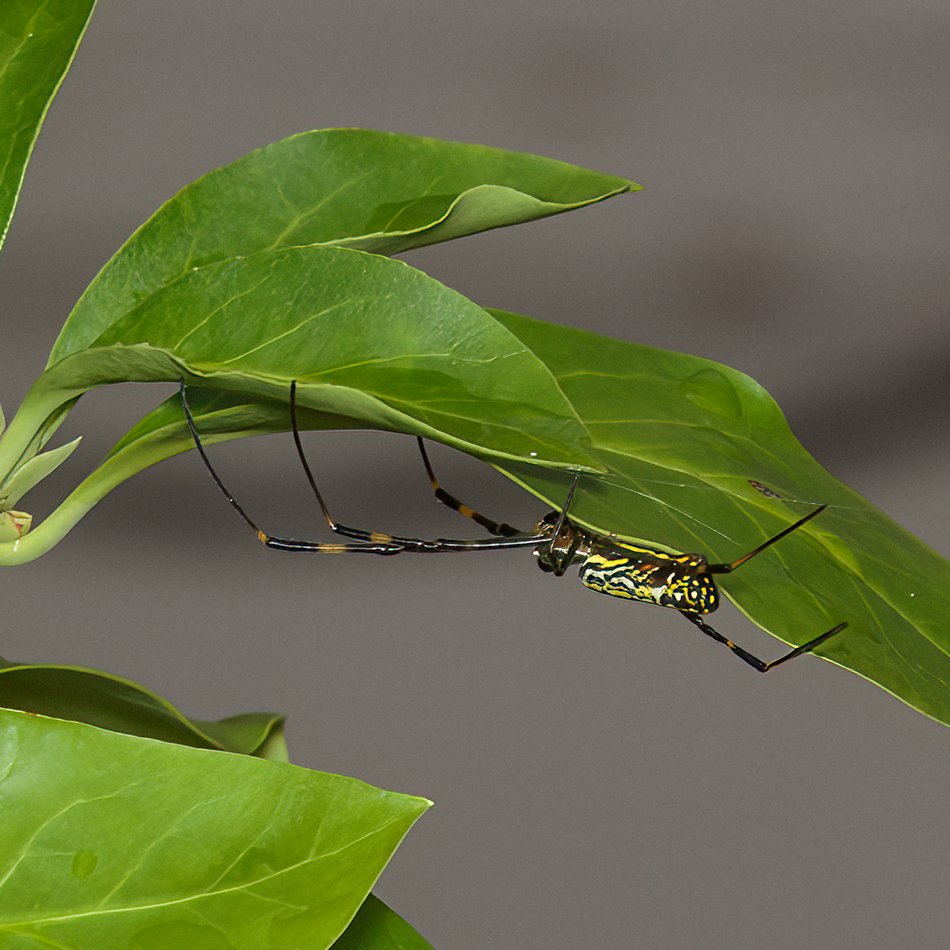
(566, 546)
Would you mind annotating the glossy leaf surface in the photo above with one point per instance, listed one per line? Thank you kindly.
(138, 843)
(113, 702)
(377, 191)
(38, 39)
(364, 336)
(342, 188)
(686, 442)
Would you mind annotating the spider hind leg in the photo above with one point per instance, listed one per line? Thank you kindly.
(760, 665)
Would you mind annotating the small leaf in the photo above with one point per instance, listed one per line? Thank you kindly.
(260, 734)
(113, 702)
(32, 472)
(111, 840)
(38, 39)
(376, 927)
(689, 445)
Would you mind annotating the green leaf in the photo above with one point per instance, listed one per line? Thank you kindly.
(32, 472)
(366, 337)
(360, 188)
(110, 840)
(113, 702)
(38, 39)
(684, 440)
(376, 927)
(348, 187)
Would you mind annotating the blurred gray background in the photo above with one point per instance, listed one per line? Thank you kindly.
(604, 777)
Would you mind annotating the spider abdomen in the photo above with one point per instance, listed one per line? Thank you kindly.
(665, 581)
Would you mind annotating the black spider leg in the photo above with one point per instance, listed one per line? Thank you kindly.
(727, 568)
(562, 517)
(425, 545)
(747, 657)
(492, 527)
(271, 541)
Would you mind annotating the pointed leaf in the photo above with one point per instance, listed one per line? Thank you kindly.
(38, 39)
(377, 191)
(700, 458)
(32, 472)
(138, 843)
(364, 336)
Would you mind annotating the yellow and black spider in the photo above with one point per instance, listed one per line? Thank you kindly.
(684, 582)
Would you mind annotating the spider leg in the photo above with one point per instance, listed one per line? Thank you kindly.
(747, 657)
(493, 527)
(727, 568)
(517, 539)
(272, 541)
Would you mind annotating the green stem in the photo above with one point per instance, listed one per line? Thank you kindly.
(138, 455)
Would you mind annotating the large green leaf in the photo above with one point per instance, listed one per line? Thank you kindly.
(38, 39)
(248, 227)
(110, 840)
(359, 188)
(700, 458)
(113, 702)
(366, 337)
(376, 927)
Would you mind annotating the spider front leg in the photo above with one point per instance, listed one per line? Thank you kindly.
(760, 665)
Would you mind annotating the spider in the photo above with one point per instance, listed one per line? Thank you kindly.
(683, 582)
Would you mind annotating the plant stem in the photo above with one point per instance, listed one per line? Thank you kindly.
(138, 455)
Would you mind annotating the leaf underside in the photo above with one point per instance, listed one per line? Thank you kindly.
(683, 441)
(377, 927)
(699, 458)
(113, 702)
